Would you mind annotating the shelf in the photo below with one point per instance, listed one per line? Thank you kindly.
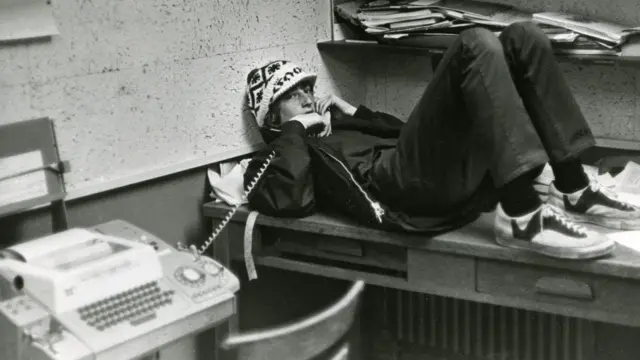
(372, 45)
(338, 45)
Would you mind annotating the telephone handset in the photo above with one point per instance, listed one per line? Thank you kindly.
(198, 252)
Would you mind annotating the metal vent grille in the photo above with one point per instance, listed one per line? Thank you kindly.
(483, 331)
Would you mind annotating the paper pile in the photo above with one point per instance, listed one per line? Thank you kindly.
(403, 18)
(629, 239)
(627, 183)
(607, 32)
(434, 23)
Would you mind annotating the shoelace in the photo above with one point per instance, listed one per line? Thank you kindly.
(555, 213)
(596, 186)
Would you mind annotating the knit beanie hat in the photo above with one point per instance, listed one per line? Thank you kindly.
(268, 82)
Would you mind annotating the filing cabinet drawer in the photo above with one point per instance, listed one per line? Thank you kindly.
(558, 287)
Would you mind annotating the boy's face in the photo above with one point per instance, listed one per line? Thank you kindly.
(297, 101)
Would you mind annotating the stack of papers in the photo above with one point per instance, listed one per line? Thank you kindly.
(627, 186)
(630, 239)
(419, 21)
(403, 18)
(617, 38)
(604, 31)
(627, 183)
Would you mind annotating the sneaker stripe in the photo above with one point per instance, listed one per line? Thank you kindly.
(590, 198)
(534, 227)
(537, 223)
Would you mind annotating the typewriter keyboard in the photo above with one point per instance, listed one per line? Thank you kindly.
(136, 306)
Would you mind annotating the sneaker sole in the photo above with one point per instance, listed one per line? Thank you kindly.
(608, 222)
(560, 253)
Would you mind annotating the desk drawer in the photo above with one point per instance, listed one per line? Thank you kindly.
(440, 273)
(344, 250)
(543, 285)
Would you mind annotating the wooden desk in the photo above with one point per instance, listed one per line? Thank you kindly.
(463, 264)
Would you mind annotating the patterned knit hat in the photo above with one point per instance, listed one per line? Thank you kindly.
(267, 83)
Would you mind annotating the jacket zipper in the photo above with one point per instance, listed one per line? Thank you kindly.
(377, 209)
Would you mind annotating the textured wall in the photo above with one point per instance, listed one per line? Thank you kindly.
(136, 85)
(607, 94)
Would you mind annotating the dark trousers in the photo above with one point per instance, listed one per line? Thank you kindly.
(496, 108)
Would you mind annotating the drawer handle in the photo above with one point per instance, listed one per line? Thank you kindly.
(564, 288)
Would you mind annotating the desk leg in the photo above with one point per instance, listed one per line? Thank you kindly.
(222, 255)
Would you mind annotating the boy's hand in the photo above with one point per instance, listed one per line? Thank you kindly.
(324, 104)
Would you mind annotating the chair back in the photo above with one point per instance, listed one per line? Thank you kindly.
(18, 141)
(320, 335)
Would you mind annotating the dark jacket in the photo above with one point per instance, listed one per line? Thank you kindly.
(332, 174)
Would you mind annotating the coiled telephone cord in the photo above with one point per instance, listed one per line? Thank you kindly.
(235, 208)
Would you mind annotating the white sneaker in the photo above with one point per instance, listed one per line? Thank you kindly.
(547, 231)
(598, 205)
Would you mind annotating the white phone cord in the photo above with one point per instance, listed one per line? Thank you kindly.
(233, 210)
